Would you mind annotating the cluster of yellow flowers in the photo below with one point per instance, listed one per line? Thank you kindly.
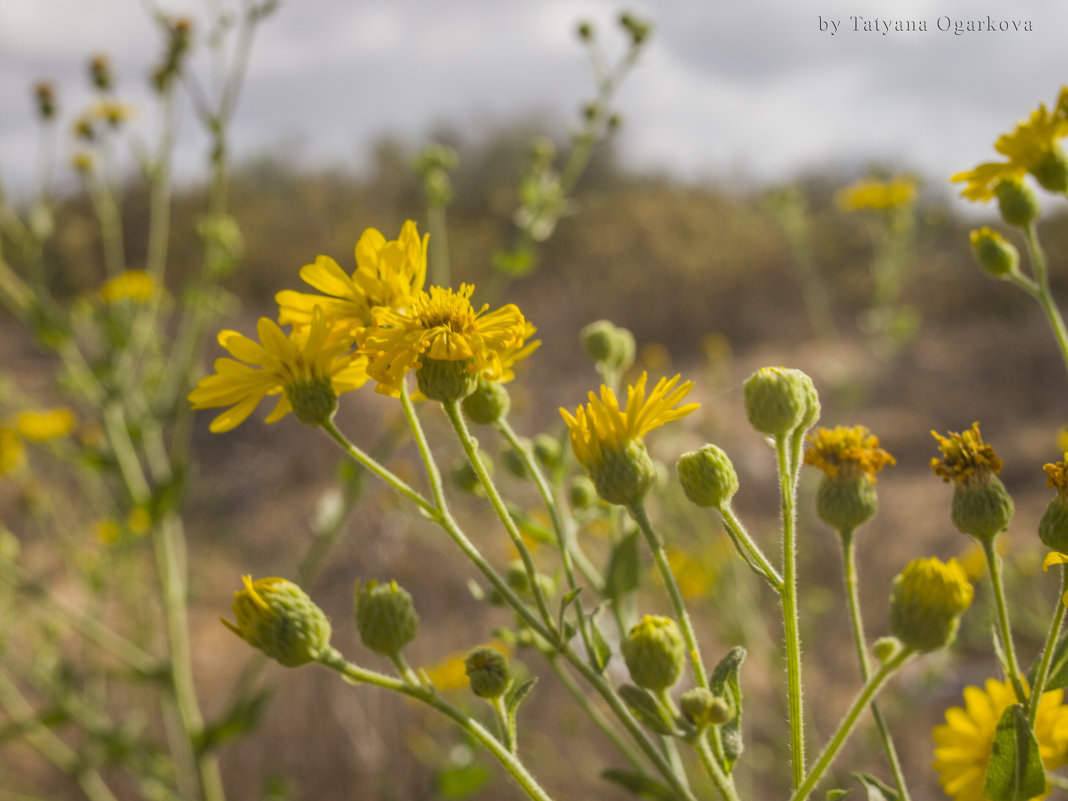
(378, 323)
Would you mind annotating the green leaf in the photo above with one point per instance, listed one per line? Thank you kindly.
(641, 785)
(518, 694)
(462, 780)
(624, 568)
(1015, 772)
(240, 719)
(1058, 667)
(566, 601)
(724, 684)
(648, 712)
(835, 795)
(602, 651)
(877, 790)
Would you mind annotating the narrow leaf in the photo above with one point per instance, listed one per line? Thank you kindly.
(1058, 667)
(724, 684)
(624, 568)
(602, 651)
(566, 601)
(877, 790)
(1015, 772)
(648, 712)
(835, 795)
(518, 694)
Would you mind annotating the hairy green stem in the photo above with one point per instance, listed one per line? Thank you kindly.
(791, 623)
(509, 761)
(853, 596)
(994, 564)
(845, 728)
(1047, 653)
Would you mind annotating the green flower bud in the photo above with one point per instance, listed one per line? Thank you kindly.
(314, 402)
(927, 601)
(385, 617)
(514, 463)
(701, 708)
(1051, 171)
(488, 403)
(778, 400)
(581, 493)
(812, 402)
(489, 673)
(608, 344)
(845, 502)
(518, 580)
(1017, 202)
(983, 509)
(585, 31)
(446, 380)
(707, 476)
(277, 617)
(625, 475)
(885, 647)
(654, 652)
(547, 450)
(1053, 527)
(995, 255)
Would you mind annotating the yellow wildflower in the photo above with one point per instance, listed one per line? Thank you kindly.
(308, 369)
(876, 195)
(12, 454)
(133, 285)
(965, 743)
(45, 424)
(1029, 148)
(388, 273)
(966, 459)
(1057, 476)
(601, 427)
(442, 326)
(846, 451)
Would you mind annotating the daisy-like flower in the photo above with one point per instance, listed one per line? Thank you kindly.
(607, 440)
(876, 195)
(966, 459)
(388, 273)
(965, 743)
(308, 369)
(446, 341)
(846, 452)
(1032, 147)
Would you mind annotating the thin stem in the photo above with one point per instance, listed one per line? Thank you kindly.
(1043, 294)
(791, 624)
(452, 410)
(509, 761)
(748, 549)
(994, 564)
(637, 511)
(852, 593)
(371, 464)
(1047, 653)
(845, 728)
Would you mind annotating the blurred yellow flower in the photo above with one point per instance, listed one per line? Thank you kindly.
(113, 112)
(133, 285)
(601, 426)
(1031, 145)
(876, 195)
(388, 273)
(107, 531)
(12, 454)
(442, 325)
(966, 459)
(41, 425)
(314, 363)
(965, 743)
(848, 451)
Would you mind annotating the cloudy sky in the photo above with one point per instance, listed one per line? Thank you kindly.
(726, 89)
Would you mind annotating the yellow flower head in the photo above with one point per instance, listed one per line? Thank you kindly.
(926, 602)
(965, 743)
(1028, 148)
(388, 273)
(308, 369)
(601, 427)
(442, 326)
(966, 459)
(136, 286)
(12, 454)
(846, 452)
(1057, 477)
(876, 195)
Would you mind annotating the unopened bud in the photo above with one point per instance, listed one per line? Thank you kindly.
(488, 672)
(488, 403)
(777, 400)
(997, 256)
(927, 601)
(1017, 202)
(654, 652)
(277, 617)
(707, 476)
(385, 617)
